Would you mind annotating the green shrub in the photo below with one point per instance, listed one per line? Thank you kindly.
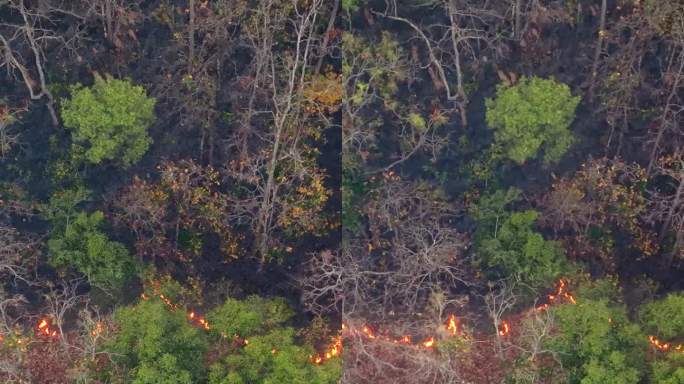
(271, 354)
(157, 345)
(531, 115)
(80, 243)
(110, 119)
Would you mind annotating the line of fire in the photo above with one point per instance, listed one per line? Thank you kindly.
(45, 328)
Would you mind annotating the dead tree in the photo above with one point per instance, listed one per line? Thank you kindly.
(62, 300)
(500, 301)
(598, 49)
(403, 273)
(285, 111)
(23, 43)
(457, 46)
(531, 344)
(666, 204)
(269, 131)
(670, 119)
(8, 137)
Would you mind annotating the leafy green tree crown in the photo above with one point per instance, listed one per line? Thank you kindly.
(79, 242)
(664, 318)
(516, 249)
(158, 345)
(271, 355)
(508, 245)
(531, 115)
(110, 119)
(597, 344)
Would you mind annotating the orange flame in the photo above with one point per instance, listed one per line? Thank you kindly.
(368, 332)
(560, 294)
(452, 325)
(333, 350)
(505, 328)
(99, 327)
(429, 343)
(192, 315)
(43, 328)
(664, 347)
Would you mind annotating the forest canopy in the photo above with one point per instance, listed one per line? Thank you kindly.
(342, 192)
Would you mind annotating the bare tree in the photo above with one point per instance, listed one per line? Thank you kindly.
(499, 302)
(461, 41)
(670, 119)
(666, 204)
(9, 138)
(267, 150)
(61, 301)
(14, 269)
(531, 343)
(403, 273)
(24, 39)
(598, 49)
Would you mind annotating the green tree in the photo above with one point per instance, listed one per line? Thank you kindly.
(492, 209)
(514, 248)
(157, 345)
(353, 189)
(669, 370)
(78, 241)
(531, 115)
(597, 344)
(665, 319)
(110, 119)
(271, 355)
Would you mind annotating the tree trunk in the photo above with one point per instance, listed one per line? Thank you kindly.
(191, 37)
(518, 21)
(598, 50)
(326, 37)
(665, 228)
(666, 111)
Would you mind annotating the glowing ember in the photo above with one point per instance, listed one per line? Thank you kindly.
(333, 350)
(664, 347)
(505, 328)
(367, 331)
(99, 328)
(452, 325)
(429, 343)
(560, 294)
(192, 315)
(43, 328)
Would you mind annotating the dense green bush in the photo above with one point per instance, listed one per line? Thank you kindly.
(597, 344)
(506, 243)
(157, 345)
(516, 249)
(664, 318)
(271, 354)
(531, 115)
(110, 119)
(79, 242)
